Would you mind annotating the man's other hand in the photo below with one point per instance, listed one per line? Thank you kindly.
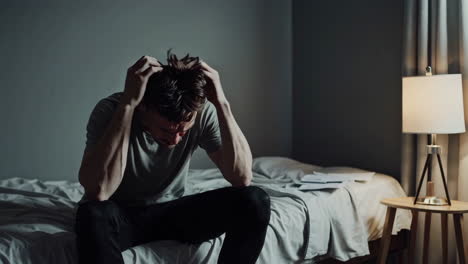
(214, 90)
(137, 78)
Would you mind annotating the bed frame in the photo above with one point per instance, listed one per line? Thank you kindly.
(398, 248)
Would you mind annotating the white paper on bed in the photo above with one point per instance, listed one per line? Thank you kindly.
(337, 177)
(321, 181)
(313, 186)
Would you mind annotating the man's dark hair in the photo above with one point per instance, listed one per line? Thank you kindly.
(178, 90)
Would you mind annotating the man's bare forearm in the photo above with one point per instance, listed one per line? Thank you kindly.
(236, 154)
(103, 166)
(102, 169)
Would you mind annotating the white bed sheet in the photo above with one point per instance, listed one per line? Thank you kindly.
(309, 224)
(372, 212)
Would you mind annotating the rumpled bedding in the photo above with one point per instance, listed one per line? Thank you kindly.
(37, 218)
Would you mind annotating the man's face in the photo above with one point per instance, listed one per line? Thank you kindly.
(166, 133)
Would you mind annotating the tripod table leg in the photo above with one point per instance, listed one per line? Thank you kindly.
(427, 237)
(444, 226)
(414, 229)
(386, 236)
(458, 223)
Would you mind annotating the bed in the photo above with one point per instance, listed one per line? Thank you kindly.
(37, 218)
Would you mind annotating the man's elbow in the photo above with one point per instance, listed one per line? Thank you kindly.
(96, 195)
(246, 182)
(93, 190)
(100, 197)
(243, 180)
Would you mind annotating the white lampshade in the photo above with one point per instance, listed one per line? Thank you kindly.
(433, 104)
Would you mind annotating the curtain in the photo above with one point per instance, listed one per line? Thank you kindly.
(447, 35)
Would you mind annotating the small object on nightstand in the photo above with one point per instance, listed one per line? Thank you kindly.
(458, 208)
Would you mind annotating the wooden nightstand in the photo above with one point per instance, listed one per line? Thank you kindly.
(458, 208)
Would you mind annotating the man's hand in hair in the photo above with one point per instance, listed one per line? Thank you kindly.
(213, 90)
(137, 78)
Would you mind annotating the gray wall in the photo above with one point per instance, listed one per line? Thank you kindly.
(347, 83)
(58, 59)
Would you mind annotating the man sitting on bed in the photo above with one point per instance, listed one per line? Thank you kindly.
(134, 168)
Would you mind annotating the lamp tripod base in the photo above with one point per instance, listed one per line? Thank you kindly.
(430, 199)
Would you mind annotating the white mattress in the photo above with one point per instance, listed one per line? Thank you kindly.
(36, 221)
(366, 194)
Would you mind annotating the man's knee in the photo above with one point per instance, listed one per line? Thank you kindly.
(257, 203)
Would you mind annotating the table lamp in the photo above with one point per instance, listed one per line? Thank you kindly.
(433, 104)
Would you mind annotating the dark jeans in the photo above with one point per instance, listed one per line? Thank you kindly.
(105, 229)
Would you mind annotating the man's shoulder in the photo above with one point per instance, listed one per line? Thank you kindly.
(113, 99)
(101, 116)
(208, 109)
(108, 104)
(206, 114)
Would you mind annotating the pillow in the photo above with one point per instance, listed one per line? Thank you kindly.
(281, 167)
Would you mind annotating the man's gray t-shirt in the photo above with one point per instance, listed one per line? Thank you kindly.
(154, 174)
